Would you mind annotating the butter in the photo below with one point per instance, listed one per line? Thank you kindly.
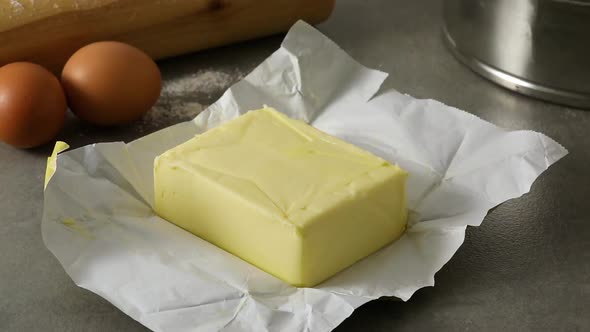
(282, 195)
(52, 160)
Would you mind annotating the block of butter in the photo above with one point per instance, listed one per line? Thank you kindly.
(295, 202)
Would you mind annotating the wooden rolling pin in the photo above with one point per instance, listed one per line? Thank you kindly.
(47, 32)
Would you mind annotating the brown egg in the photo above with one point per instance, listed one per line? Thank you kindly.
(32, 105)
(111, 83)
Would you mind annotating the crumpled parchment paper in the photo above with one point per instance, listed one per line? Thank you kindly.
(99, 224)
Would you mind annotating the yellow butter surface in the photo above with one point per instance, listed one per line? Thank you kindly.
(52, 160)
(295, 202)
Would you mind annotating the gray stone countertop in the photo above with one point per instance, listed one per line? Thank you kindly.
(527, 268)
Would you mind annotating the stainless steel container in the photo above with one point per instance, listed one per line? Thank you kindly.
(540, 48)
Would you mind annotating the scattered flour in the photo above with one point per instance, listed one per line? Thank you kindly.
(17, 6)
(170, 113)
(182, 97)
(205, 82)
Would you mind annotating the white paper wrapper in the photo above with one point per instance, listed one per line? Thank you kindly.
(99, 224)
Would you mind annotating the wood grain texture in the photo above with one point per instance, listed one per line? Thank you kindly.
(48, 32)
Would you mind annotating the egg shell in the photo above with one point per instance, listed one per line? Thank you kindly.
(111, 83)
(32, 105)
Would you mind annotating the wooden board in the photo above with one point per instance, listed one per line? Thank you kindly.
(48, 32)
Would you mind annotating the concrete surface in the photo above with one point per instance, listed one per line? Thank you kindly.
(526, 268)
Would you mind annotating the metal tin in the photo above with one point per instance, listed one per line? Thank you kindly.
(540, 48)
